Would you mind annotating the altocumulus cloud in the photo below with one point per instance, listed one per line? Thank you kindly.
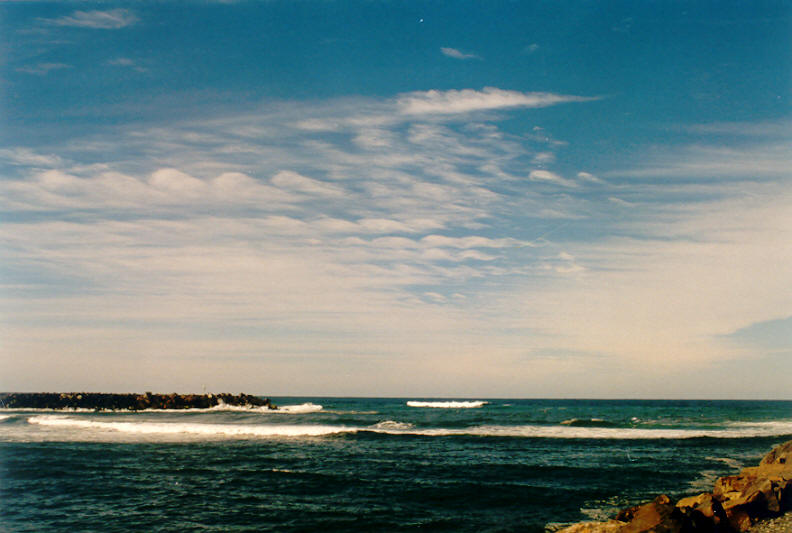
(286, 216)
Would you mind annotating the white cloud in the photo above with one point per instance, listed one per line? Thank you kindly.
(42, 69)
(165, 187)
(543, 158)
(104, 20)
(390, 215)
(586, 176)
(27, 157)
(457, 54)
(126, 62)
(295, 182)
(766, 160)
(471, 242)
(550, 177)
(469, 100)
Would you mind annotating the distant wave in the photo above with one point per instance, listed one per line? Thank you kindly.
(282, 409)
(175, 428)
(588, 423)
(303, 408)
(390, 427)
(448, 405)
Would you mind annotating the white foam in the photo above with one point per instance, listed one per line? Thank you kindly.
(573, 432)
(301, 409)
(448, 405)
(4, 417)
(175, 428)
(392, 425)
(221, 406)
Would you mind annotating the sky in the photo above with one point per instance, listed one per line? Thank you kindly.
(411, 199)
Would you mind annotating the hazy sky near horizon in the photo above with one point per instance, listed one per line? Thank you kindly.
(429, 198)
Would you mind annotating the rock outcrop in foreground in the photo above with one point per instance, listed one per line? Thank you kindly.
(735, 504)
(126, 402)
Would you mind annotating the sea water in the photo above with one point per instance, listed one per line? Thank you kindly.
(353, 464)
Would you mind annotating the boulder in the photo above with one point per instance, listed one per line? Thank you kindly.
(703, 513)
(611, 526)
(735, 504)
(758, 492)
(657, 516)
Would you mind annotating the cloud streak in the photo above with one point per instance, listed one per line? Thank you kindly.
(112, 19)
(457, 54)
(470, 100)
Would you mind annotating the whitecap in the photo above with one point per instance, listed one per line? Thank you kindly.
(599, 433)
(392, 427)
(448, 404)
(177, 428)
(392, 424)
(4, 417)
(298, 409)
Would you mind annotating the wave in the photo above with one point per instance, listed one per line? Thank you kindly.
(448, 405)
(390, 427)
(176, 428)
(303, 408)
(588, 423)
(3, 418)
(283, 409)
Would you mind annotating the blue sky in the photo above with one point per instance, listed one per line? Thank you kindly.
(467, 199)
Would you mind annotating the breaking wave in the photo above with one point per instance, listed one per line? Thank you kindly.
(588, 423)
(176, 428)
(448, 405)
(303, 408)
(390, 427)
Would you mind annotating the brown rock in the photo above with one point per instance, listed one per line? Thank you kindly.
(611, 526)
(758, 492)
(658, 516)
(781, 454)
(703, 513)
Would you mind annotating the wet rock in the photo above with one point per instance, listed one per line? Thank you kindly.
(131, 402)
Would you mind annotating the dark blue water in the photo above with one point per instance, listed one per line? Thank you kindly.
(369, 464)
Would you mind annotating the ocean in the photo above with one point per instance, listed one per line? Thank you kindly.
(383, 464)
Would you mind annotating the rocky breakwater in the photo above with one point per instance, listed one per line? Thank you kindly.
(735, 504)
(128, 402)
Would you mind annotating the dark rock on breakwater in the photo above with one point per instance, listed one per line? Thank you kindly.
(735, 505)
(128, 402)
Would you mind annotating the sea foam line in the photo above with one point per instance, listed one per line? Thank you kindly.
(175, 428)
(396, 428)
(448, 404)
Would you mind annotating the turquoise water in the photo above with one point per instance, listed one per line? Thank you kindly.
(344, 464)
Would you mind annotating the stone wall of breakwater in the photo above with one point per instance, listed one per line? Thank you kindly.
(130, 402)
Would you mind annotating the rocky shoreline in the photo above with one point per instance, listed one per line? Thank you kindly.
(126, 402)
(755, 500)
